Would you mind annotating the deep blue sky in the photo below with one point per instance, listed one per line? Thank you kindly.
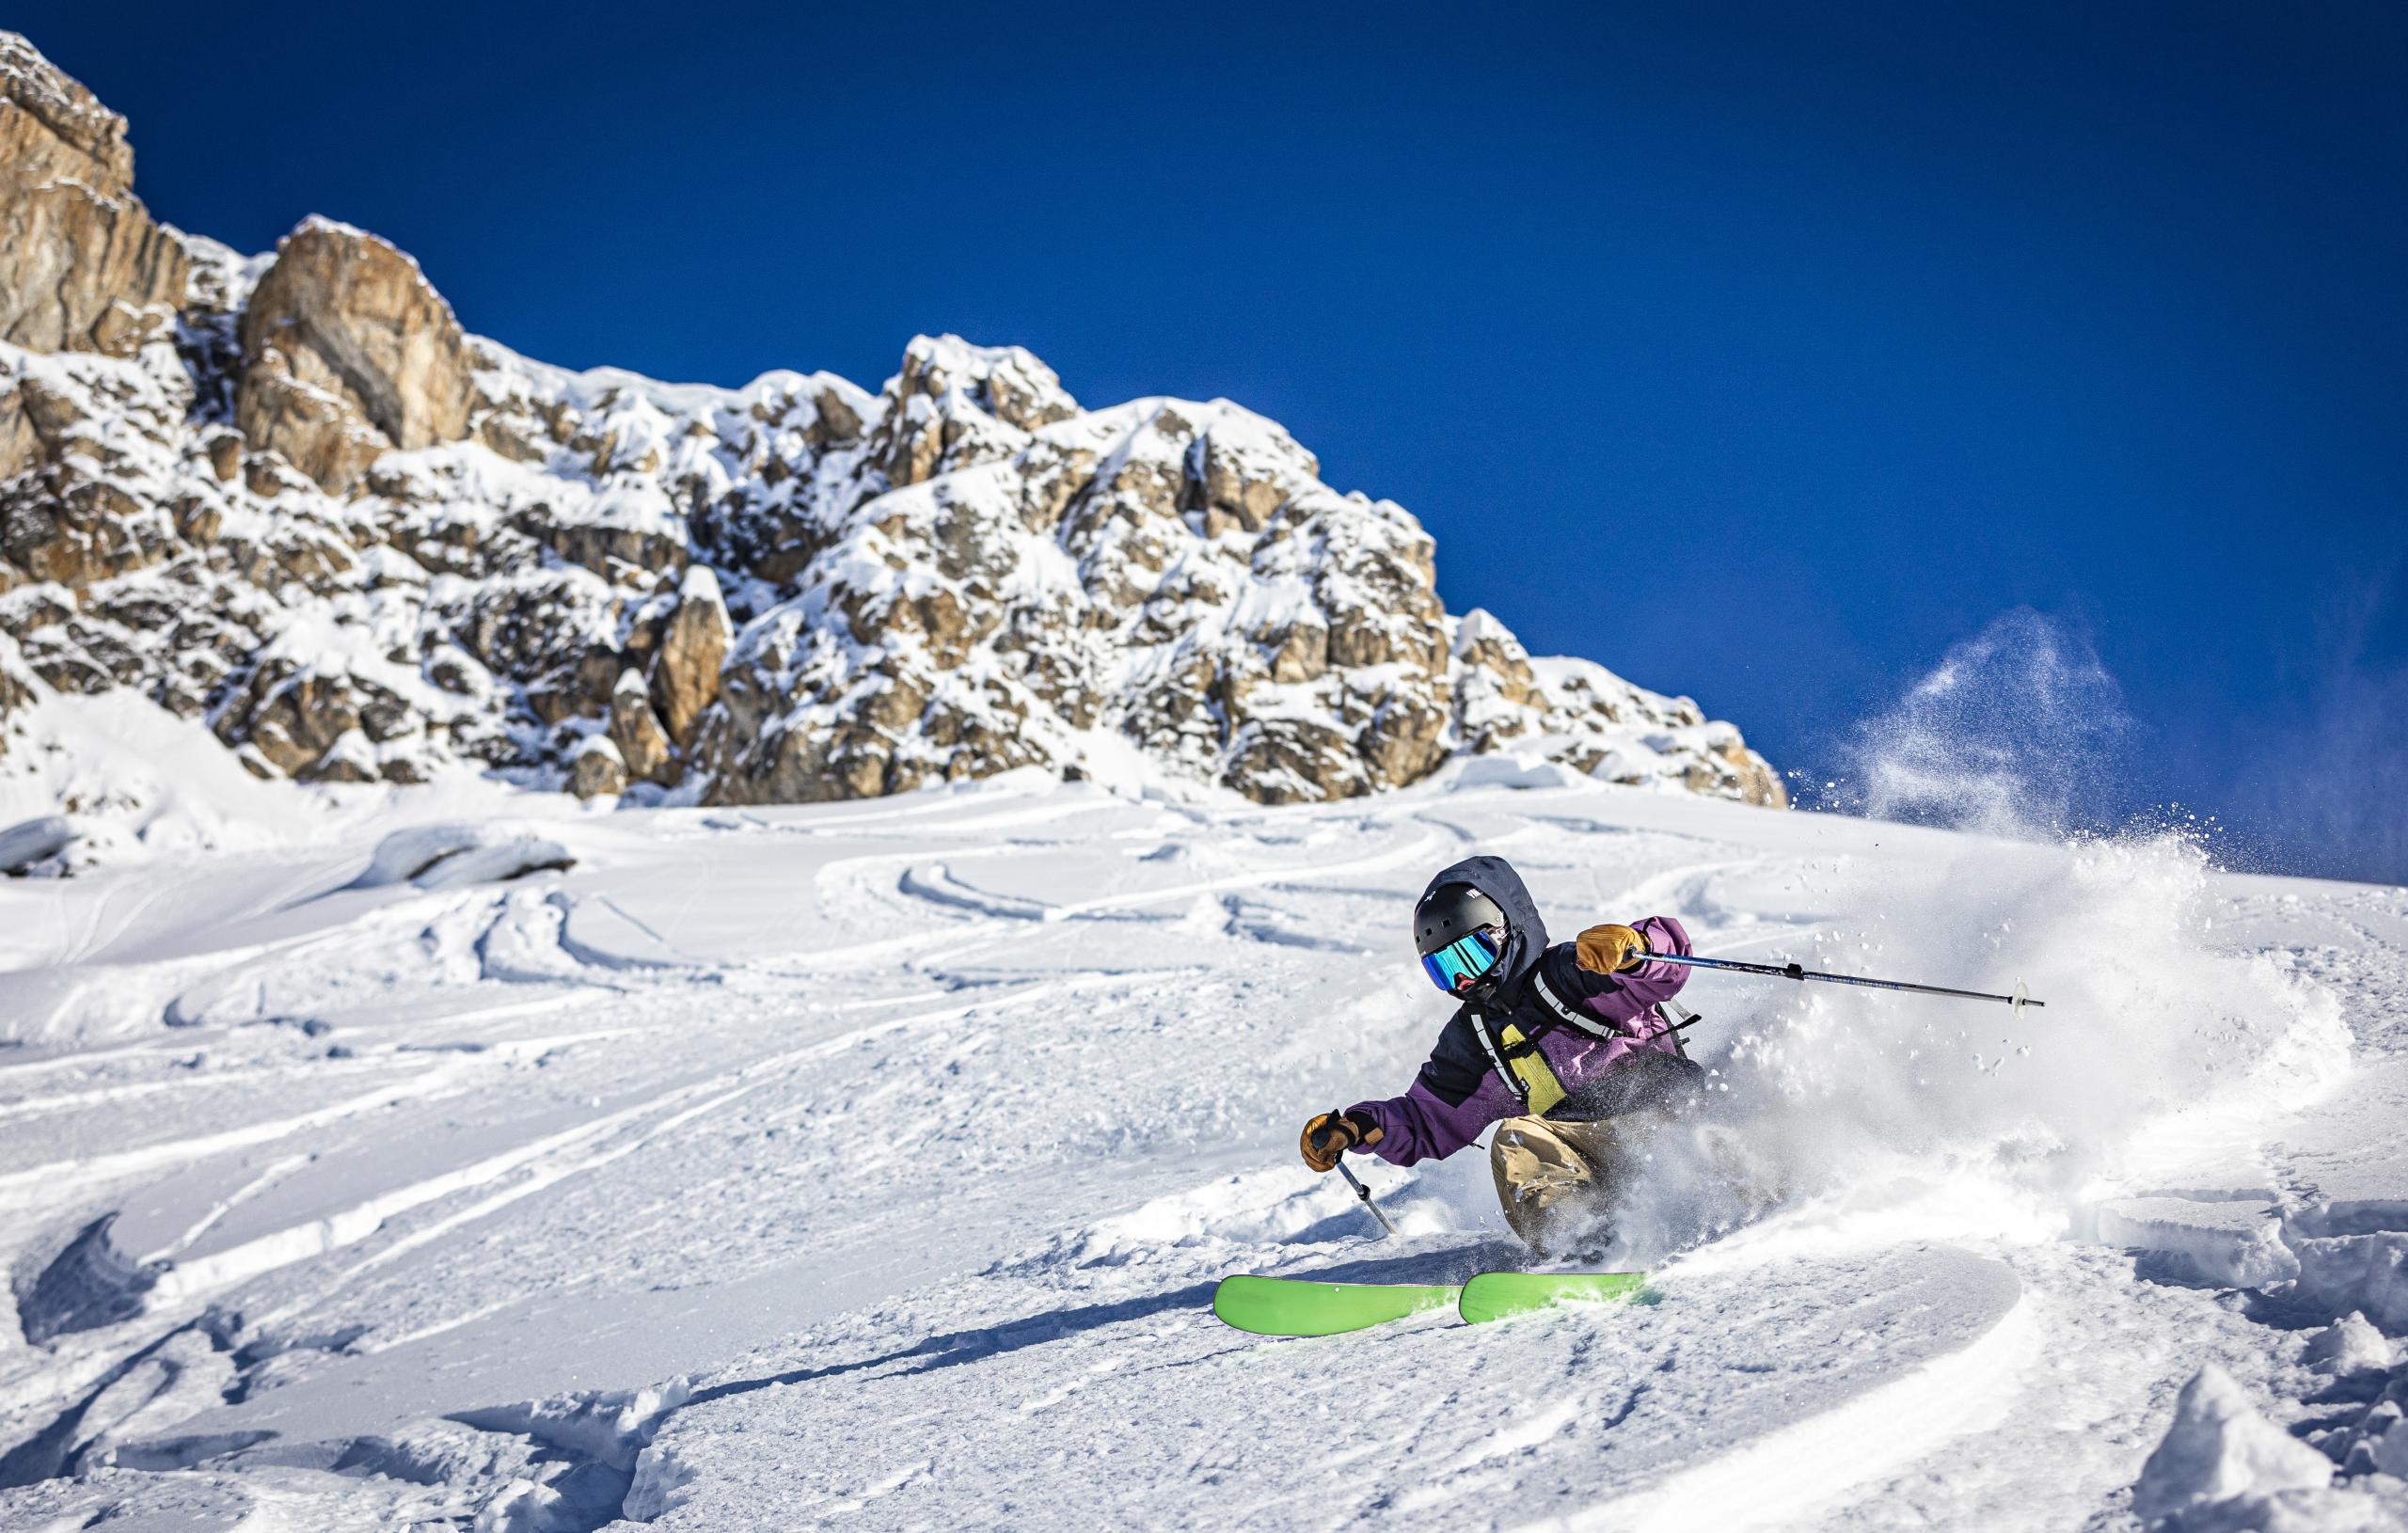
(1760, 352)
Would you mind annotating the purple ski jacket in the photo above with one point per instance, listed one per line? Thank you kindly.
(1461, 1090)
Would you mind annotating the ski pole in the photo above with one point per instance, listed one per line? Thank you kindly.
(1365, 1194)
(1790, 971)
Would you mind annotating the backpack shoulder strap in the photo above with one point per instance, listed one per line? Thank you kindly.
(1682, 1020)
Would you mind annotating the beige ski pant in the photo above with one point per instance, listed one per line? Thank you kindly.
(1558, 1181)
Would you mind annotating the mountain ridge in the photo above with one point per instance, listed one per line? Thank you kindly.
(291, 496)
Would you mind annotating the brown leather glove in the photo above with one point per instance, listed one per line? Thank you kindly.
(1332, 1134)
(1610, 949)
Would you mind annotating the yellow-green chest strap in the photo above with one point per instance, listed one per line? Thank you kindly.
(1519, 1064)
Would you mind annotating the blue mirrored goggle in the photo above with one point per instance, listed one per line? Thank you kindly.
(1464, 958)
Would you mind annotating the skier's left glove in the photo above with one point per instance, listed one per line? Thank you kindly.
(1332, 1134)
(1605, 950)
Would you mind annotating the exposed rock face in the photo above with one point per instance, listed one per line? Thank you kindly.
(83, 266)
(348, 352)
(636, 730)
(17, 684)
(56, 128)
(364, 546)
(685, 676)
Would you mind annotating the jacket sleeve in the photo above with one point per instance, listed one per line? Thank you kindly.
(1632, 994)
(1450, 1103)
(1422, 1126)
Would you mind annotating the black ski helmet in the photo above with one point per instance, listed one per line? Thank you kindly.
(1452, 913)
(1480, 891)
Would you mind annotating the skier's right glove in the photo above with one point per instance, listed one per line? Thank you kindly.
(1332, 1134)
(1610, 949)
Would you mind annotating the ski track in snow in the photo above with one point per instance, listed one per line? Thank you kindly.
(872, 1165)
(1786, 1477)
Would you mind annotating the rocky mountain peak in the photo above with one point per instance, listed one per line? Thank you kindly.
(291, 497)
(348, 352)
(85, 267)
(56, 128)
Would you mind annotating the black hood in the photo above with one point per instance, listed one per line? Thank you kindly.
(1495, 877)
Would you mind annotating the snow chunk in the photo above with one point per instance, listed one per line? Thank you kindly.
(2367, 1273)
(660, 1485)
(450, 854)
(89, 1284)
(2391, 1450)
(2350, 1346)
(2220, 1450)
(2235, 1245)
(606, 1426)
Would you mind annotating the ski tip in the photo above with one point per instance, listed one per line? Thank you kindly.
(1288, 1306)
(1231, 1302)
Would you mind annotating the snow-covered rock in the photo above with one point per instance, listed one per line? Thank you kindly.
(448, 855)
(31, 843)
(597, 769)
(362, 544)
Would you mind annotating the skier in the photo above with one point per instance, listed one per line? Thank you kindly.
(1566, 1049)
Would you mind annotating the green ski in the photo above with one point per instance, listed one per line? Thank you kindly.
(1293, 1306)
(1283, 1307)
(1493, 1295)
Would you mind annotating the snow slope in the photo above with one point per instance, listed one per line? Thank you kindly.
(871, 1165)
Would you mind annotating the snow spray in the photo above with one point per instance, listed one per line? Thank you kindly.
(1843, 1106)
